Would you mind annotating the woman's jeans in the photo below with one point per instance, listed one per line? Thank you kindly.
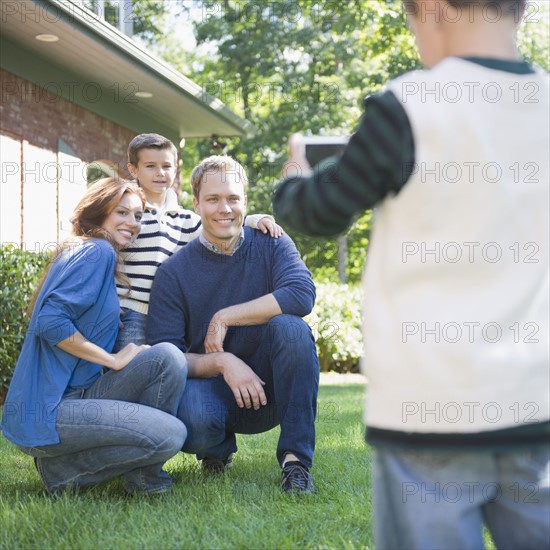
(132, 330)
(123, 424)
(286, 360)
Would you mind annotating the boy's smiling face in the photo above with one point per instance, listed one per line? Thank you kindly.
(155, 171)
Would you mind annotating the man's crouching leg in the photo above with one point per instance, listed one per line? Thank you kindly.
(294, 365)
(205, 405)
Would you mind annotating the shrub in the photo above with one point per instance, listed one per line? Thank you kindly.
(336, 324)
(20, 275)
(335, 320)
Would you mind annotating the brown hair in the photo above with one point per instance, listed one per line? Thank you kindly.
(216, 163)
(149, 141)
(89, 215)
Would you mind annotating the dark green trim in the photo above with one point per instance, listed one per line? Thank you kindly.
(506, 65)
(505, 439)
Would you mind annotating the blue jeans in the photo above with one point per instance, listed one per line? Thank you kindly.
(286, 360)
(441, 499)
(132, 330)
(123, 424)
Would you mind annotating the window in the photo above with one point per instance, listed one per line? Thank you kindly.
(103, 169)
(116, 12)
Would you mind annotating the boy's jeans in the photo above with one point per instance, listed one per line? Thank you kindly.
(286, 360)
(440, 499)
(122, 424)
(132, 330)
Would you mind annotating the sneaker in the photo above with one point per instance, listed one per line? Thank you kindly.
(296, 478)
(217, 465)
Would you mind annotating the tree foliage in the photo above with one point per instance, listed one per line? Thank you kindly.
(304, 66)
(297, 66)
(19, 275)
(534, 34)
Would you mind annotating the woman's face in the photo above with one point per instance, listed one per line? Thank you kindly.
(124, 221)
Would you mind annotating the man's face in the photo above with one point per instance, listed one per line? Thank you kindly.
(222, 207)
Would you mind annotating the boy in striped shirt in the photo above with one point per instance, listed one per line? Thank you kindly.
(166, 228)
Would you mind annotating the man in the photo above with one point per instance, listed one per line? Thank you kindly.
(232, 301)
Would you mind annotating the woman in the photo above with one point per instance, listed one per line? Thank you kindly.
(84, 427)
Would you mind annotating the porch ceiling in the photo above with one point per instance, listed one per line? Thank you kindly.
(104, 61)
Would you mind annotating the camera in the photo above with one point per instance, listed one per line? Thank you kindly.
(318, 148)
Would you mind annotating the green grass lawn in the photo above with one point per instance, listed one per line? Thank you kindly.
(242, 509)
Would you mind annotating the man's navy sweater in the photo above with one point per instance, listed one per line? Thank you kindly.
(195, 283)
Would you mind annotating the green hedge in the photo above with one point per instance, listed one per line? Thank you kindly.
(336, 324)
(20, 275)
(336, 319)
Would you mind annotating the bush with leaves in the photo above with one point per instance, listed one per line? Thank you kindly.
(336, 324)
(21, 272)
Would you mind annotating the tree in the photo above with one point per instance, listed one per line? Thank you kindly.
(304, 66)
(147, 17)
(298, 66)
(534, 34)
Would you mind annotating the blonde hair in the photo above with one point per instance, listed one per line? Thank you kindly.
(216, 163)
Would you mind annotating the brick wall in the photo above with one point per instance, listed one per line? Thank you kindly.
(41, 117)
(40, 185)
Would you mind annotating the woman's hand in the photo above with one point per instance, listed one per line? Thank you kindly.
(80, 347)
(125, 355)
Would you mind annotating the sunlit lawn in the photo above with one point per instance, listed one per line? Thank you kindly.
(242, 509)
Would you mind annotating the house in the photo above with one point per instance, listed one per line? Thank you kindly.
(74, 91)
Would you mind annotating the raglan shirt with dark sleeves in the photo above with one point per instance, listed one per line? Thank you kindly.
(377, 161)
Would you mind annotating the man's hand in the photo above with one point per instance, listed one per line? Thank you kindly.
(215, 335)
(246, 385)
(268, 224)
(256, 312)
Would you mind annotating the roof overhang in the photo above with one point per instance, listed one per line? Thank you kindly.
(98, 67)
